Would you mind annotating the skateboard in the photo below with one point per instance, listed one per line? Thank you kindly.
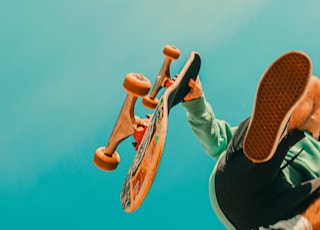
(149, 133)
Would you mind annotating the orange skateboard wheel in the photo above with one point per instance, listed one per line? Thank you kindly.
(104, 161)
(171, 52)
(136, 84)
(149, 102)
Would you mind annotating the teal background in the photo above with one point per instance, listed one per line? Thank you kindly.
(62, 64)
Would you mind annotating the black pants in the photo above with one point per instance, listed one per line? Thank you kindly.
(257, 194)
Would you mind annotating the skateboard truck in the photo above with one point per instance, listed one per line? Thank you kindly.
(137, 85)
(106, 158)
(164, 79)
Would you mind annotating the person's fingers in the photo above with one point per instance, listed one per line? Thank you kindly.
(192, 83)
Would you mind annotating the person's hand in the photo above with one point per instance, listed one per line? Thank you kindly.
(195, 91)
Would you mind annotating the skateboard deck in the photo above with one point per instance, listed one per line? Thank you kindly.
(146, 161)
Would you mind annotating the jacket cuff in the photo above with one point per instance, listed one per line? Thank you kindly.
(195, 107)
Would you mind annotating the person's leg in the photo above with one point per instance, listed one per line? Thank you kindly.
(312, 213)
(252, 193)
(281, 89)
(307, 115)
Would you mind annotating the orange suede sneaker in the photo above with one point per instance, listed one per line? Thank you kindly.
(280, 90)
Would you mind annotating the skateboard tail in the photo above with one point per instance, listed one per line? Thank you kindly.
(189, 71)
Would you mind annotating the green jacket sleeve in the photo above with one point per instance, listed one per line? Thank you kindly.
(214, 135)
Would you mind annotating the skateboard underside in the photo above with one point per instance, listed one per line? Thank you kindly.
(146, 162)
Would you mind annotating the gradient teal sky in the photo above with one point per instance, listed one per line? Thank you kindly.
(62, 64)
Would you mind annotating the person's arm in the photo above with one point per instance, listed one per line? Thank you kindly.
(213, 134)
